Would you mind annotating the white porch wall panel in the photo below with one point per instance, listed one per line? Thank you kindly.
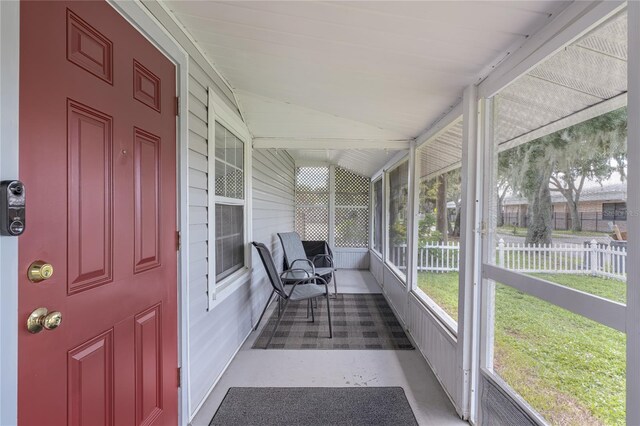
(351, 258)
(377, 269)
(436, 345)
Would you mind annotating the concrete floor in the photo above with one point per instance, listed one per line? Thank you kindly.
(337, 368)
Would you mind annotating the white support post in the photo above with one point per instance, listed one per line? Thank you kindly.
(501, 253)
(633, 216)
(412, 228)
(468, 225)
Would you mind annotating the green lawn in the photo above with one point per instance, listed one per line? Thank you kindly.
(569, 368)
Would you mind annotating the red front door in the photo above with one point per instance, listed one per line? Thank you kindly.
(98, 160)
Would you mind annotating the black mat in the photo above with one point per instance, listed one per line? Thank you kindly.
(314, 407)
(360, 321)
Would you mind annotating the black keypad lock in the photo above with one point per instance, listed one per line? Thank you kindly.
(12, 207)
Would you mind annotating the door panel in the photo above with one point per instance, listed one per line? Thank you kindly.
(98, 157)
(89, 191)
(90, 382)
(147, 198)
(148, 365)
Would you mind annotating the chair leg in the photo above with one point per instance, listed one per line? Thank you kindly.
(264, 310)
(329, 315)
(313, 317)
(284, 308)
(335, 284)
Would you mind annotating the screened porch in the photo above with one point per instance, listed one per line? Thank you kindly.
(466, 167)
(509, 324)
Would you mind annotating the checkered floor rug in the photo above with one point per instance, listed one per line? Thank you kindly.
(360, 321)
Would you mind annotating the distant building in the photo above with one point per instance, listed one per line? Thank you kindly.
(597, 208)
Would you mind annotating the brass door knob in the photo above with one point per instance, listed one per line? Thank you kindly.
(39, 271)
(41, 319)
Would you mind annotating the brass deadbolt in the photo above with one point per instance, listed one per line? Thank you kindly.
(41, 319)
(39, 271)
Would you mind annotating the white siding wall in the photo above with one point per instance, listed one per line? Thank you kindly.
(216, 335)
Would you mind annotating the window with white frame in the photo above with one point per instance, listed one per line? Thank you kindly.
(229, 202)
(398, 182)
(377, 215)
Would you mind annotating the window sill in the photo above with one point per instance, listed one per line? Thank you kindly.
(401, 276)
(377, 253)
(228, 286)
(440, 314)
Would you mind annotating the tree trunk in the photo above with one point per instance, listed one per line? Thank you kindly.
(441, 208)
(456, 226)
(576, 223)
(540, 226)
(500, 213)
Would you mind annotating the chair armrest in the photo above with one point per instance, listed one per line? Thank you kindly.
(313, 267)
(308, 275)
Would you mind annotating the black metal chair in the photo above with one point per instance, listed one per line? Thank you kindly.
(294, 252)
(300, 290)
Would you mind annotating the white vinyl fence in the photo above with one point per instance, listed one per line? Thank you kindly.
(594, 258)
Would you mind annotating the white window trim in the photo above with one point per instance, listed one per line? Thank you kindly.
(219, 112)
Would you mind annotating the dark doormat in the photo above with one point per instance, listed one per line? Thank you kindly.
(360, 321)
(314, 407)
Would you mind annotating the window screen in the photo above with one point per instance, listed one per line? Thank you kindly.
(229, 239)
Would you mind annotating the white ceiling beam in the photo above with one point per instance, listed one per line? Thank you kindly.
(441, 126)
(330, 143)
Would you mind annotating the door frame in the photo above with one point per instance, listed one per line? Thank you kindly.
(142, 20)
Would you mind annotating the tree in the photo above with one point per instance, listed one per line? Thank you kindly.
(592, 150)
(562, 162)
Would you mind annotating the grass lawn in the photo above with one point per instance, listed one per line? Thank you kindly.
(569, 368)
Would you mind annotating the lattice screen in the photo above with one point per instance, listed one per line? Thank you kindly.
(352, 209)
(312, 203)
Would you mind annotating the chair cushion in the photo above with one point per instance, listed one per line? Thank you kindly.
(305, 291)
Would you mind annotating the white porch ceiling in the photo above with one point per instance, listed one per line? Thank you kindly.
(355, 70)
